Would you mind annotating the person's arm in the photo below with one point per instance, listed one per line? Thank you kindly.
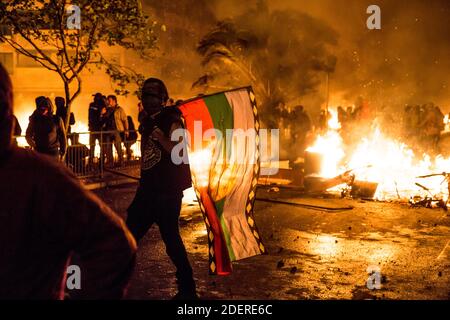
(141, 116)
(74, 219)
(165, 141)
(123, 118)
(104, 116)
(29, 135)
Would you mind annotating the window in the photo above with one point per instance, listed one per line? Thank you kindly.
(6, 59)
(24, 61)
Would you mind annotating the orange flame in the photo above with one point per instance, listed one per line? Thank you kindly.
(388, 162)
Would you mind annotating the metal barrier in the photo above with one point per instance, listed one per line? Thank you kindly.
(90, 154)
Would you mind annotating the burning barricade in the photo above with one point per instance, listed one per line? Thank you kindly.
(376, 167)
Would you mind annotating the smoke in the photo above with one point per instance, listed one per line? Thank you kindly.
(283, 54)
(407, 61)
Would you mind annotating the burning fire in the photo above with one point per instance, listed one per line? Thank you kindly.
(199, 163)
(380, 159)
(330, 146)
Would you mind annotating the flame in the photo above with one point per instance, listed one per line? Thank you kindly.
(333, 122)
(446, 123)
(200, 162)
(389, 162)
(210, 169)
(395, 167)
(81, 128)
(331, 147)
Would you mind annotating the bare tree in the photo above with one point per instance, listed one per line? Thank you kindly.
(35, 28)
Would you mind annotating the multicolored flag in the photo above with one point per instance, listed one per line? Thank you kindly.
(223, 136)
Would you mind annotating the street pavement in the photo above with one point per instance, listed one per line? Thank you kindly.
(313, 254)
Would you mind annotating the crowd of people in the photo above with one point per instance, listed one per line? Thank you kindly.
(423, 124)
(420, 126)
(49, 220)
(108, 124)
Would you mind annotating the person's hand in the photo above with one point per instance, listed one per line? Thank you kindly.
(157, 134)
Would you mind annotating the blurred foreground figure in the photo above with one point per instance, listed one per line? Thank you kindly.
(45, 216)
(158, 198)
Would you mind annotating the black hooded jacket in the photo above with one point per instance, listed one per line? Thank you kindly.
(46, 134)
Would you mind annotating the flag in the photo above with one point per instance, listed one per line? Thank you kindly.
(223, 138)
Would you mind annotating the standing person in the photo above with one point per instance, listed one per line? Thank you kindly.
(349, 115)
(158, 198)
(61, 112)
(46, 215)
(342, 115)
(95, 125)
(406, 122)
(432, 123)
(323, 121)
(45, 132)
(132, 137)
(116, 120)
(301, 128)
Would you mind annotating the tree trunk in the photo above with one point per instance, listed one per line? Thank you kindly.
(68, 107)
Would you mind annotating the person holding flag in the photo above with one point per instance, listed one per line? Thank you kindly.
(158, 197)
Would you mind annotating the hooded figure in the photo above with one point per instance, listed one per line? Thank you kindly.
(45, 132)
(61, 112)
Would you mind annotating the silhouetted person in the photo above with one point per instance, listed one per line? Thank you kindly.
(46, 215)
(132, 137)
(45, 132)
(431, 125)
(342, 115)
(158, 198)
(349, 112)
(323, 121)
(61, 112)
(116, 122)
(96, 108)
(301, 126)
(141, 117)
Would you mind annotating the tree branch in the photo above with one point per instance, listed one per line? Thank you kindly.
(44, 56)
(23, 51)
